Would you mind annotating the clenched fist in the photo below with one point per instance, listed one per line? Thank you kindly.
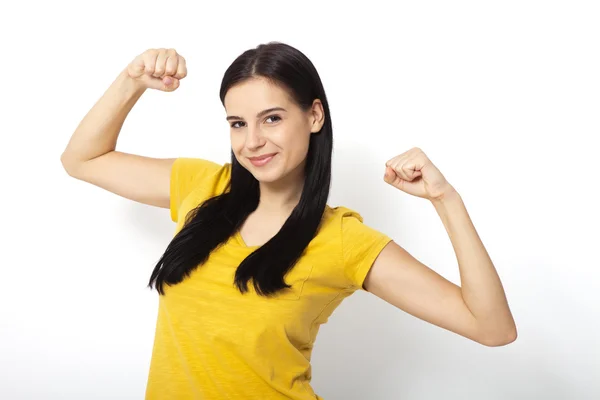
(159, 69)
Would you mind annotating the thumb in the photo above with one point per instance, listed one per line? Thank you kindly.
(169, 83)
(165, 84)
(394, 180)
(389, 175)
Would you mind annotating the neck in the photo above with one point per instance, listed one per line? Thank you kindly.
(282, 195)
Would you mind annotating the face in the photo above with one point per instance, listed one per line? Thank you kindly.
(265, 121)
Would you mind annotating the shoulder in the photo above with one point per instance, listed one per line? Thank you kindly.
(358, 242)
(200, 173)
(340, 212)
(341, 217)
(194, 180)
(349, 225)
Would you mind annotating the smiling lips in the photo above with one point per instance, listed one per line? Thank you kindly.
(261, 160)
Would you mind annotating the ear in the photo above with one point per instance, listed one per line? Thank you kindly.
(317, 116)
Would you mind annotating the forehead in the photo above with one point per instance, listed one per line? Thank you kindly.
(255, 94)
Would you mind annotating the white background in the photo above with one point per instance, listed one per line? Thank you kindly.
(502, 96)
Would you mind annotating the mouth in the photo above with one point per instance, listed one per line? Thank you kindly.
(261, 160)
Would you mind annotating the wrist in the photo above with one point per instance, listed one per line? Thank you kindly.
(129, 84)
(448, 194)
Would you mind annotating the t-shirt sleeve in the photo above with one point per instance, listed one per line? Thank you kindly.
(361, 245)
(197, 176)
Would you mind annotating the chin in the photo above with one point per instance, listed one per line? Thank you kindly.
(265, 176)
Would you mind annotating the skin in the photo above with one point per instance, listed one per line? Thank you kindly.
(285, 132)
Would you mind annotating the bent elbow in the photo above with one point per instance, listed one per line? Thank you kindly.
(503, 340)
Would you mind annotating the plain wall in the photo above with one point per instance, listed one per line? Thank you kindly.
(502, 97)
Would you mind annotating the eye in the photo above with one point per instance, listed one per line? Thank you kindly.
(235, 124)
(275, 118)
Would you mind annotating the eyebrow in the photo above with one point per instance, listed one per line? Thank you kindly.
(260, 114)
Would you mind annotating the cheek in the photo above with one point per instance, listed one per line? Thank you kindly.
(297, 146)
(237, 142)
(237, 146)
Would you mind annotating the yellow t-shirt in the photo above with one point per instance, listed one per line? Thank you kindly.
(212, 342)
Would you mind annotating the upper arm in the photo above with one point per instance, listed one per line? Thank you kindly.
(142, 179)
(403, 281)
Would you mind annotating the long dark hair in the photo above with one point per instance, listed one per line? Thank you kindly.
(214, 221)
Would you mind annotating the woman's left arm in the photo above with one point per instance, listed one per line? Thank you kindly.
(478, 309)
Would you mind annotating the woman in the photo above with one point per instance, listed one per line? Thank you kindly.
(259, 260)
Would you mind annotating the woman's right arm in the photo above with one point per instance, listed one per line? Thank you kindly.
(90, 155)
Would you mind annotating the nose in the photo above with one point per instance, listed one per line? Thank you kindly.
(254, 138)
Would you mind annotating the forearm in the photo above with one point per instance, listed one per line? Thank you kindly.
(481, 287)
(97, 133)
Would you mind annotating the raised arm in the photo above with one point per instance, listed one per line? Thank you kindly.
(90, 155)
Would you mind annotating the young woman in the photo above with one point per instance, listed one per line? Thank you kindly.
(259, 260)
